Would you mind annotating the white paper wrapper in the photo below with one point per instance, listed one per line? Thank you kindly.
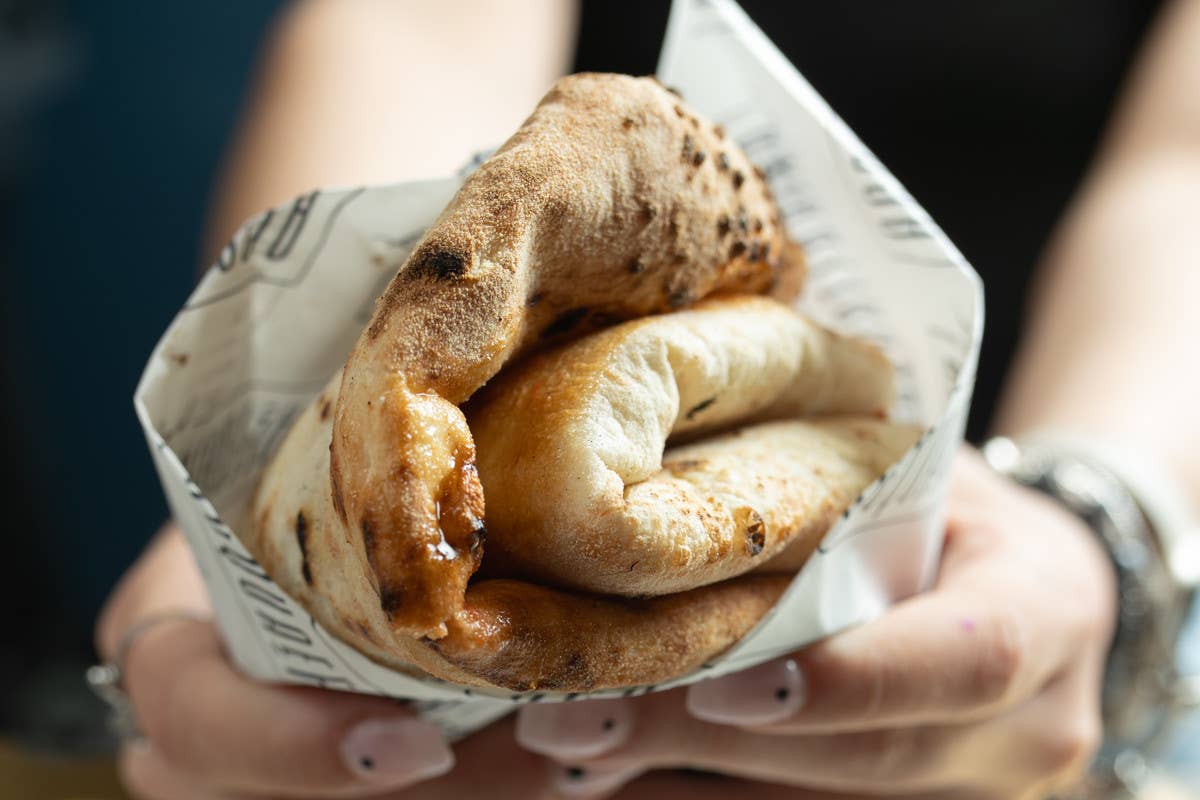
(279, 312)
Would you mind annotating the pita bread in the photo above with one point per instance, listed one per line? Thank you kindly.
(579, 492)
(760, 489)
(613, 201)
(613, 206)
(509, 634)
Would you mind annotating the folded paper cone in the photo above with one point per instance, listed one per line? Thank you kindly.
(373, 511)
(267, 327)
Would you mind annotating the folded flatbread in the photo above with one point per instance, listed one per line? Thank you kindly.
(570, 447)
(544, 383)
(582, 493)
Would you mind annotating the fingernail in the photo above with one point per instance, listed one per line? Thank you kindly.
(583, 729)
(395, 751)
(588, 781)
(768, 693)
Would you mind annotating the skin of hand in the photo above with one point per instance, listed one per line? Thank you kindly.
(986, 686)
(212, 733)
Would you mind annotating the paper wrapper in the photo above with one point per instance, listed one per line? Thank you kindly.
(279, 312)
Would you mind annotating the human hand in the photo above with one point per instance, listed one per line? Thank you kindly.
(986, 686)
(213, 733)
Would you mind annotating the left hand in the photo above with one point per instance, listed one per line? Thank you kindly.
(986, 686)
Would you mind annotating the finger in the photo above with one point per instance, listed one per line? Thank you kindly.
(701, 786)
(575, 732)
(491, 765)
(224, 730)
(227, 731)
(1035, 749)
(944, 657)
(146, 776)
(988, 637)
(663, 734)
(164, 578)
(1042, 748)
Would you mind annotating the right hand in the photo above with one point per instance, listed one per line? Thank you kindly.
(212, 732)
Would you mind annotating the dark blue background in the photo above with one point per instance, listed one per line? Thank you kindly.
(104, 246)
(115, 116)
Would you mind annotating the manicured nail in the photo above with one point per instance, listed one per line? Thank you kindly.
(768, 693)
(576, 730)
(588, 781)
(395, 751)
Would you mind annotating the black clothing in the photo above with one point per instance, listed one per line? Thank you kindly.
(950, 95)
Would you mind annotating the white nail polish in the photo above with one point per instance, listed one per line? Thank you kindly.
(762, 695)
(397, 751)
(577, 730)
(589, 780)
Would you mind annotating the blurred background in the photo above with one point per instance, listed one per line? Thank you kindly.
(113, 117)
(113, 120)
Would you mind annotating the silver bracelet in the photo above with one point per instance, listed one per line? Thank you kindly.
(107, 679)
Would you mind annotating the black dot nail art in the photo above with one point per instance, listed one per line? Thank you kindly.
(609, 724)
(366, 762)
(575, 773)
(782, 693)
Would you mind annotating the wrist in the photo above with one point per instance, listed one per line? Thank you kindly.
(1170, 510)
(1141, 682)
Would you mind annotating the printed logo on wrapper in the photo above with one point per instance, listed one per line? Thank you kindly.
(276, 317)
